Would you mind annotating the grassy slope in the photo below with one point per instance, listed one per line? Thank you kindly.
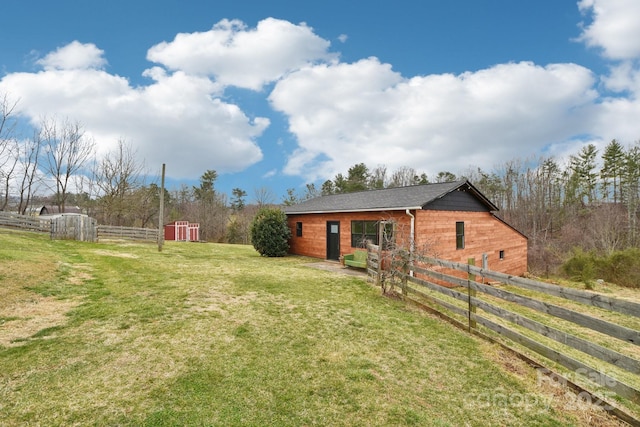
(208, 334)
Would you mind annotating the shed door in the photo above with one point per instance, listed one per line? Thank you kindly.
(333, 240)
(194, 232)
(181, 230)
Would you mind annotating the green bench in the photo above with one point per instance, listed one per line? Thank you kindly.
(356, 259)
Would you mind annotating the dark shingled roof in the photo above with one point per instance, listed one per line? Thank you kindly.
(54, 210)
(399, 198)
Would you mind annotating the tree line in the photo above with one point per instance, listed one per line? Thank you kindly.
(590, 200)
(57, 165)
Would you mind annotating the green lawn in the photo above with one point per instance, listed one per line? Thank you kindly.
(211, 334)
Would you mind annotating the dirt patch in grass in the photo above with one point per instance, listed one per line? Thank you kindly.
(29, 316)
(77, 274)
(214, 301)
(556, 395)
(116, 254)
(23, 312)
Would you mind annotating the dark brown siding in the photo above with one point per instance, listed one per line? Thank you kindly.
(458, 200)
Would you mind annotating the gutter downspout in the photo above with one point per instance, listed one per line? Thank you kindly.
(412, 244)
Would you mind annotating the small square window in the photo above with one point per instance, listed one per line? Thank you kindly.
(299, 229)
(501, 254)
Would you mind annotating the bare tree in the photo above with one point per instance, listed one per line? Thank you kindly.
(264, 196)
(399, 253)
(311, 192)
(630, 190)
(30, 158)
(117, 175)
(378, 177)
(605, 229)
(67, 151)
(9, 154)
(146, 202)
(8, 162)
(183, 201)
(404, 176)
(86, 193)
(7, 121)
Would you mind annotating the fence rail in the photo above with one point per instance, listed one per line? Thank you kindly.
(529, 313)
(133, 233)
(76, 227)
(25, 222)
(577, 295)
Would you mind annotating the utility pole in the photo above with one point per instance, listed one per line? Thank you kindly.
(161, 213)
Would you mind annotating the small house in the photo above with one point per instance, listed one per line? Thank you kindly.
(451, 221)
(183, 231)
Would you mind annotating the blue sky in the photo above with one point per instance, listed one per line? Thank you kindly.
(278, 94)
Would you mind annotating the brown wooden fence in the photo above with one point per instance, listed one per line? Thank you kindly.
(594, 336)
(76, 227)
(25, 222)
(128, 233)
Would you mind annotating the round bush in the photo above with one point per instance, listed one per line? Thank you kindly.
(623, 268)
(270, 232)
(580, 267)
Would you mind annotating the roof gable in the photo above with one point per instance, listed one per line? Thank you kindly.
(460, 199)
(398, 198)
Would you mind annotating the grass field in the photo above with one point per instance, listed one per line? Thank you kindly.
(210, 334)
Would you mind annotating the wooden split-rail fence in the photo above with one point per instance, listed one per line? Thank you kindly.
(593, 336)
(128, 233)
(76, 227)
(25, 222)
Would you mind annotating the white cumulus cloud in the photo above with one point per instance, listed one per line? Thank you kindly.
(338, 113)
(614, 27)
(344, 114)
(179, 119)
(75, 55)
(238, 56)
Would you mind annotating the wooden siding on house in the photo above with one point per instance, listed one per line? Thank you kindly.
(484, 234)
(313, 242)
(435, 208)
(435, 235)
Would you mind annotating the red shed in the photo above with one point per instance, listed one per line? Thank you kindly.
(183, 231)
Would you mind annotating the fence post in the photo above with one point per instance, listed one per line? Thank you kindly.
(160, 236)
(380, 279)
(405, 274)
(485, 263)
(471, 293)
